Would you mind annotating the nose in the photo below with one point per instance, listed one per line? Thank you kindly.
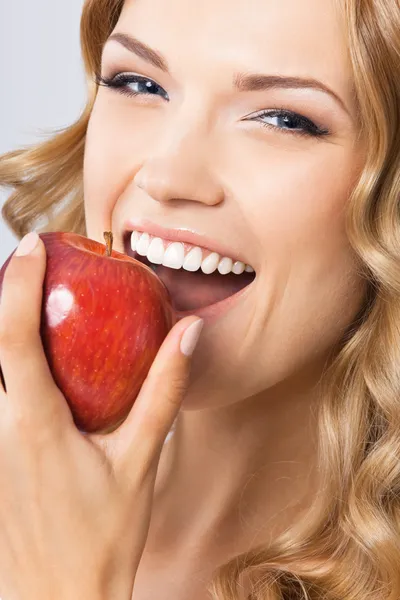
(181, 170)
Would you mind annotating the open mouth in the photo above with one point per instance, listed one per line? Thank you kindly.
(191, 291)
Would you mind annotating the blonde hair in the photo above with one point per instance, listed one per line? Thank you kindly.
(347, 546)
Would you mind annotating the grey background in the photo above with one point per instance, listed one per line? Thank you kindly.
(42, 84)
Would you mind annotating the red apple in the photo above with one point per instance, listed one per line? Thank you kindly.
(104, 317)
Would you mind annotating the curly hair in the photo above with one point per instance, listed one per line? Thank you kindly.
(347, 545)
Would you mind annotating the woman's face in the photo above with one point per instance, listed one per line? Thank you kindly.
(272, 187)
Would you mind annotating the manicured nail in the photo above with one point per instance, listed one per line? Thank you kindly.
(27, 244)
(191, 337)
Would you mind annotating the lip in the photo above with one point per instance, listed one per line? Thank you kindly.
(184, 235)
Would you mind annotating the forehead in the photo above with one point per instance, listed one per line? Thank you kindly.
(290, 37)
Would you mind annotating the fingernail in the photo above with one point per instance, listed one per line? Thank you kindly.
(191, 337)
(27, 244)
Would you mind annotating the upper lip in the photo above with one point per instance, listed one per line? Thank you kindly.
(184, 235)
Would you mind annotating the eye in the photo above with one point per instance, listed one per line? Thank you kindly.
(132, 85)
(287, 121)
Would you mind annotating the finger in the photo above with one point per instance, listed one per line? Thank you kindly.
(142, 435)
(23, 362)
(2, 385)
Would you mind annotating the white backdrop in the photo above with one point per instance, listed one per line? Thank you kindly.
(41, 77)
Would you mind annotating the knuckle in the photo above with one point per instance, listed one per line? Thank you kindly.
(9, 337)
(14, 426)
(22, 425)
(18, 421)
(171, 383)
(15, 333)
(176, 389)
(13, 283)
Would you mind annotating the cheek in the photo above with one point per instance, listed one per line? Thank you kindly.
(298, 199)
(112, 157)
(308, 289)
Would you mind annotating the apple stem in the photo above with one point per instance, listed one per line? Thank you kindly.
(108, 236)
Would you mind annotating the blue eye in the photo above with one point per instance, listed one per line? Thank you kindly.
(286, 121)
(290, 122)
(142, 85)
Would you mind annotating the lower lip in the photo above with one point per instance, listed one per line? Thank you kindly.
(214, 311)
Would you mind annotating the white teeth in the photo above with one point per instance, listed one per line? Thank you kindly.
(135, 237)
(225, 265)
(143, 244)
(193, 259)
(155, 253)
(174, 256)
(238, 267)
(161, 252)
(210, 264)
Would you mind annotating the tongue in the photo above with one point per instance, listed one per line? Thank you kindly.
(196, 290)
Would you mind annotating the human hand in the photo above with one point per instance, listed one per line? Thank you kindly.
(74, 509)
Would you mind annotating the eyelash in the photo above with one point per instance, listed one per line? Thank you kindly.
(120, 82)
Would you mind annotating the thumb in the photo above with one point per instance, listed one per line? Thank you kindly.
(140, 438)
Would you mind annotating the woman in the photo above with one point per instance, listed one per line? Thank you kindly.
(272, 129)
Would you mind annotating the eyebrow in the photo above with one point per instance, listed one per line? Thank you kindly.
(243, 82)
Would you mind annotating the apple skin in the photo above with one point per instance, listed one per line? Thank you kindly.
(103, 321)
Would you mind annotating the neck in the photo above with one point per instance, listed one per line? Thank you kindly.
(232, 477)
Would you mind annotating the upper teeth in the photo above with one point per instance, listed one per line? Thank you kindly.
(173, 255)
